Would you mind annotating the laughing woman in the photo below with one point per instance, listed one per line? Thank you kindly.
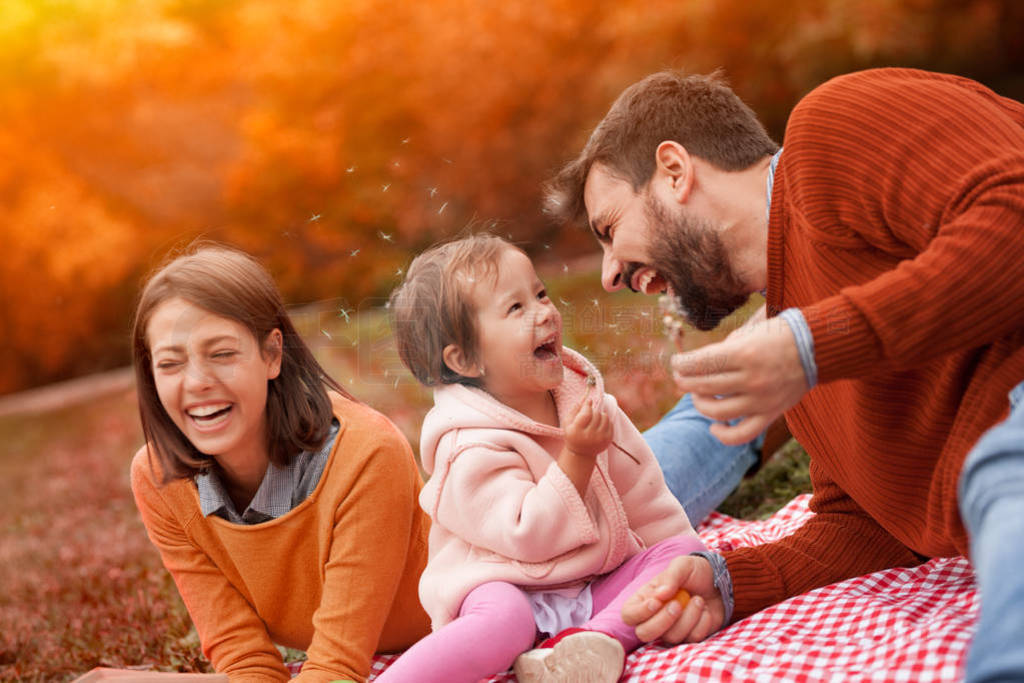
(285, 510)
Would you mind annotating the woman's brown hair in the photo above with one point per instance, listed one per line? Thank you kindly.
(232, 284)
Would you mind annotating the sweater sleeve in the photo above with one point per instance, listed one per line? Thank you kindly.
(932, 174)
(362, 576)
(840, 541)
(232, 635)
(490, 499)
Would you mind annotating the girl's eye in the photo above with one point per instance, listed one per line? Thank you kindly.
(224, 354)
(514, 307)
(542, 294)
(167, 365)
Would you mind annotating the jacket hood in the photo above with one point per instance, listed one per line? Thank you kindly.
(457, 406)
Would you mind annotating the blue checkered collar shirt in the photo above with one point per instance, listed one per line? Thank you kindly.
(281, 490)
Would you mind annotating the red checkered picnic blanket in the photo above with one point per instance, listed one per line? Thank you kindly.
(902, 624)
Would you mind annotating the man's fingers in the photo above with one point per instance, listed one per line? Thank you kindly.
(680, 630)
(660, 622)
(725, 408)
(703, 628)
(744, 431)
(640, 606)
(710, 360)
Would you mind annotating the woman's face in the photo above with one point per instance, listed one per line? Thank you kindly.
(211, 377)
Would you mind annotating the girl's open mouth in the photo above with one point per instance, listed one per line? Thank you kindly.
(546, 351)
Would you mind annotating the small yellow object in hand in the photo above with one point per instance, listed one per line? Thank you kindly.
(682, 597)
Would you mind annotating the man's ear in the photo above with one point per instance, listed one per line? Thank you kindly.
(455, 358)
(273, 351)
(674, 168)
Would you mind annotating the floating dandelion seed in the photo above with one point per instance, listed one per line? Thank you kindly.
(564, 302)
(396, 164)
(387, 373)
(441, 210)
(387, 304)
(565, 267)
(384, 188)
(344, 313)
(350, 169)
(354, 252)
(447, 161)
(433, 191)
(546, 246)
(646, 314)
(405, 141)
(314, 218)
(399, 272)
(385, 236)
(597, 304)
(326, 334)
(396, 382)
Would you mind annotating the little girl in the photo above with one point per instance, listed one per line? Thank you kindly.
(548, 508)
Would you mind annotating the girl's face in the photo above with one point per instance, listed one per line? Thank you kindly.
(211, 377)
(519, 331)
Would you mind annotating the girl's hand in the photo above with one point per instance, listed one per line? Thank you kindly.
(590, 430)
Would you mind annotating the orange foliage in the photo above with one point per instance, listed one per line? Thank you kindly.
(335, 138)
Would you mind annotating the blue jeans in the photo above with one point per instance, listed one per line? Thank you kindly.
(992, 508)
(699, 469)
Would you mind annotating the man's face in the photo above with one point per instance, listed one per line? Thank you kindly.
(655, 248)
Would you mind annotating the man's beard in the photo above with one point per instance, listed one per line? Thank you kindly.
(690, 255)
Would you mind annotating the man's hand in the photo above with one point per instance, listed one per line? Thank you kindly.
(656, 615)
(754, 374)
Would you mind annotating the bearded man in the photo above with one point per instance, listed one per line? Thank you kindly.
(887, 237)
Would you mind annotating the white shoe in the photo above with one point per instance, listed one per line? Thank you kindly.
(584, 657)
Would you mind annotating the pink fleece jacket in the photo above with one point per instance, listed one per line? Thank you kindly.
(503, 510)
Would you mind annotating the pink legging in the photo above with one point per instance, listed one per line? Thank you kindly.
(495, 623)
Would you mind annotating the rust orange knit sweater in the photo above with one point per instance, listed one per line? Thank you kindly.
(337, 576)
(897, 227)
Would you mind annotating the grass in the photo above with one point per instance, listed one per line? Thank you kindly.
(82, 586)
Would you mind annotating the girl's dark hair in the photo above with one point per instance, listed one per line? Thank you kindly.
(234, 285)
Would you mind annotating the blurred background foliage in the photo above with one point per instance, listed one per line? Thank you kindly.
(334, 139)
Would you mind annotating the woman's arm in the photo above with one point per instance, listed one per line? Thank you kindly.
(233, 636)
(376, 523)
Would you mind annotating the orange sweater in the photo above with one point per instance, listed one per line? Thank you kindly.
(897, 227)
(337, 576)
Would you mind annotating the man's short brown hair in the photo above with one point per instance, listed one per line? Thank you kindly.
(432, 308)
(699, 112)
